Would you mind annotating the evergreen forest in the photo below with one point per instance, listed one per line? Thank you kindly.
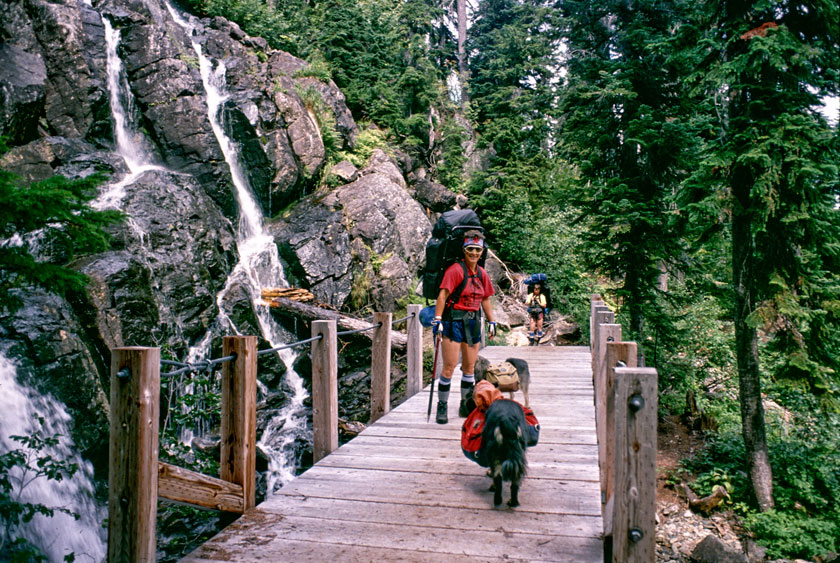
(676, 157)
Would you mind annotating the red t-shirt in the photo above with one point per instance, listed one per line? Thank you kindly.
(474, 292)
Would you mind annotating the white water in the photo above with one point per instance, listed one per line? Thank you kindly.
(61, 534)
(259, 266)
(130, 142)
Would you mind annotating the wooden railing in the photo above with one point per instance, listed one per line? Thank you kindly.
(626, 403)
(135, 469)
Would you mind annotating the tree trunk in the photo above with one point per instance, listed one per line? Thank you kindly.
(463, 72)
(746, 351)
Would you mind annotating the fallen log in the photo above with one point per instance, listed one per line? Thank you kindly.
(294, 293)
(296, 309)
(706, 504)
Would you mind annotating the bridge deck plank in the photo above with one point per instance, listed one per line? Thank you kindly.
(402, 490)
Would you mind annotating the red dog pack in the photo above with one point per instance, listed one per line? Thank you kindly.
(485, 394)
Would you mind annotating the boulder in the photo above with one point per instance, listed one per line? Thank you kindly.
(712, 550)
(367, 234)
(433, 195)
(170, 261)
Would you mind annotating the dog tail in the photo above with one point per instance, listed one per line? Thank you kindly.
(509, 438)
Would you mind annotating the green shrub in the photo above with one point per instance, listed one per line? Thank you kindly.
(795, 534)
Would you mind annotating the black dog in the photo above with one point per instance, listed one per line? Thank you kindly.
(503, 443)
(482, 363)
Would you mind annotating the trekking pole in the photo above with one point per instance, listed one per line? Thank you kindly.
(434, 374)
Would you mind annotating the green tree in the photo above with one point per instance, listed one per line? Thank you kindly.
(512, 53)
(769, 167)
(623, 123)
(44, 226)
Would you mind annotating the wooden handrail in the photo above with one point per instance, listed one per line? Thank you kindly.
(625, 409)
(135, 468)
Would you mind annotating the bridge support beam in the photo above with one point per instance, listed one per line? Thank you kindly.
(634, 500)
(238, 458)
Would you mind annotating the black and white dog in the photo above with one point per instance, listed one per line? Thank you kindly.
(503, 443)
(482, 363)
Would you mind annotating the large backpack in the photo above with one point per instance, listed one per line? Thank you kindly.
(541, 279)
(446, 247)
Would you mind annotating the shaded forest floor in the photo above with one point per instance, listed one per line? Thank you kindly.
(678, 529)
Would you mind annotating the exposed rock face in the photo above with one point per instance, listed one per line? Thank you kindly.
(433, 195)
(53, 354)
(170, 260)
(367, 234)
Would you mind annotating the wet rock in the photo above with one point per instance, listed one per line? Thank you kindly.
(23, 84)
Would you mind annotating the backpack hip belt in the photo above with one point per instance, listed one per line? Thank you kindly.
(451, 314)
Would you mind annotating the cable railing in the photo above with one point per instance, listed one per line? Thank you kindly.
(208, 365)
(135, 470)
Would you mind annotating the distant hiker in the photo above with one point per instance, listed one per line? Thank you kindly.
(536, 303)
(459, 321)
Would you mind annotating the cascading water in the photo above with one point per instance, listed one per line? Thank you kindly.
(130, 143)
(60, 534)
(259, 266)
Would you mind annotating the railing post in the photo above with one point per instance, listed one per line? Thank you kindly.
(380, 367)
(594, 301)
(625, 353)
(634, 502)
(324, 389)
(239, 415)
(602, 316)
(414, 352)
(133, 451)
(607, 333)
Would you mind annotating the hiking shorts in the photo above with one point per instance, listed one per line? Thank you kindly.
(537, 313)
(467, 330)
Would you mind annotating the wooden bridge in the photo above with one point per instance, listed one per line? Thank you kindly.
(402, 490)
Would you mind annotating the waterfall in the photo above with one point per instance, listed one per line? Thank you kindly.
(131, 145)
(60, 534)
(259, 266)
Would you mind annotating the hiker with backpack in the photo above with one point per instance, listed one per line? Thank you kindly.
(457, 319)
(536, 303)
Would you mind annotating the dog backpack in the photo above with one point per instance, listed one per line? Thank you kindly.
(503, 376)
(446, 247)
(474, 425)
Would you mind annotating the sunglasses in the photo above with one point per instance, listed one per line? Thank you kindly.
(474, 250)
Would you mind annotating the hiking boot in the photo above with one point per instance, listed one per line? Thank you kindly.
(441, 417)
(463, 409)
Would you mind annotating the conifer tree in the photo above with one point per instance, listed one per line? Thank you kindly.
(512, 50)
(770, 167)
(53, 217)
(623, 124)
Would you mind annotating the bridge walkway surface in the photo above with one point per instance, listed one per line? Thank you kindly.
(403, 491)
